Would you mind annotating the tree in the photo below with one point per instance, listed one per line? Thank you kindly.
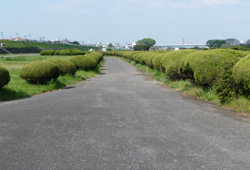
(146, 41)
(248, 42)
(215, 43)
(76, 42)
(232, 41)
(142, 47)
(109, 49)
(110, 45)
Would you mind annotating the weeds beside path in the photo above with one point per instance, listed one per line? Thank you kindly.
(18, 88)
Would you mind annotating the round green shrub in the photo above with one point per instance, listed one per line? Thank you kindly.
(64, 66)
(39, 72)
(57, 52)
(47, 52)
(166, 59)
(205, 66)
(173, 61)
(98, 56)
(66, 52)
(83, 62)
(241, 72)
(157, 61)
(4, 76)
(235, 53)
(140, 56)
(148, 57)
(78, 52)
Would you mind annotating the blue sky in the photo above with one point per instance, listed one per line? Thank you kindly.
(166, 21)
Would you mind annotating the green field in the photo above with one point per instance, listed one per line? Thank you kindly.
(18, 44)
(18, 87)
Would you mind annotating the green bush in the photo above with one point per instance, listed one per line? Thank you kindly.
(172, 62)
(205, 66)
(226, 87)
(64, 66)
(57, 52)
(98, 56)
(166, 59)
(4, 77)
(140, 57)
(157, 60)
(39, 72)
(47, 52)
(66, 52)
(78, 52)
(84, 62)
(235, 53)
(148, 59)
(141, 47)
(241, 48)
(241, 72)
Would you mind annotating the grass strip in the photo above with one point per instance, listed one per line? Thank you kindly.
(240, 104)
(18, 88)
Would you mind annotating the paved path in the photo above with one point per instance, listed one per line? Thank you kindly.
(121, 120)
(19, 55)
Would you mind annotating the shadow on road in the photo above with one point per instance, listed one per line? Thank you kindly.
(9, 94)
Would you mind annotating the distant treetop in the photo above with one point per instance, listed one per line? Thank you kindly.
(146, 41)
(76, 42)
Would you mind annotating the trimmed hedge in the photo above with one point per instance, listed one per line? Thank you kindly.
(66, 52)
(98, 56)
(39, 72)
(235, 53)
(172, 61)
(64, 66)
(57, 52)
(4, 77)
(157, 61)
(169, 56)
(72, 52)
(241, 72)
(205, 66)
(84, 62)
(78, 52)
(47, 52)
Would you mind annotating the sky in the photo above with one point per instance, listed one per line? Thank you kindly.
(126, 21)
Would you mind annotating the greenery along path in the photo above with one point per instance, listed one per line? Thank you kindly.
(18, 87)
(120, 120)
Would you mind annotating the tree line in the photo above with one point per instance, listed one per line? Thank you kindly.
(230, 42)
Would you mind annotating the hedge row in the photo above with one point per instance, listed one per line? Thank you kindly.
(63, 52)
(204, 67)
(44, 71)
(47, 52)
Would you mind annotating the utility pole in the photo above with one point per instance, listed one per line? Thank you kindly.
(2, 35)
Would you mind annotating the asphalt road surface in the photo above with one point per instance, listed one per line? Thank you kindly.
(18, 55)
(121, 120)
